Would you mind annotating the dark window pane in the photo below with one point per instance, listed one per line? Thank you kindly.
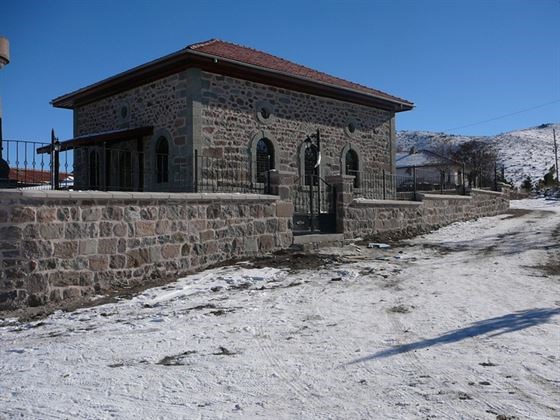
(352, 166)
(94, 170)
(162, 160)
(265, 159)
(310, 160)
(125, 170)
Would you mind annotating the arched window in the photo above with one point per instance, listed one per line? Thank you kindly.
(311, 169)
(352, 166)
(94, 170)
(265, 159)
(162, 160)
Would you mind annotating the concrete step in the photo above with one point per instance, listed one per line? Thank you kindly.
(315, 241)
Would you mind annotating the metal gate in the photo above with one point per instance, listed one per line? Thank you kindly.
(314, 206)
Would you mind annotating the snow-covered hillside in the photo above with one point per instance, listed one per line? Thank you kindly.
(528, 152)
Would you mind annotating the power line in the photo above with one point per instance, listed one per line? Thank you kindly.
(503, 116)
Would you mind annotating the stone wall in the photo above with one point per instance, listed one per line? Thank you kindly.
(57, 245)
(370, 218)
(231, 125)
(219, 116)
(166, 105)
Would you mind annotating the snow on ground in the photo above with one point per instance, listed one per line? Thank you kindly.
(454, 324)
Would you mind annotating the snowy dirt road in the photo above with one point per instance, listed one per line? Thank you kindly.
(460, 323)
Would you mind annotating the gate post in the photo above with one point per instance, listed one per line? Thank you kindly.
(281, 183)
(343, 185)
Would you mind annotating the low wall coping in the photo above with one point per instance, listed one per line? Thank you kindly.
(486, 192)
(364, 202)
(140, 196)
(444, 197)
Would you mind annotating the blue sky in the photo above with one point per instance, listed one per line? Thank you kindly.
(460, 62)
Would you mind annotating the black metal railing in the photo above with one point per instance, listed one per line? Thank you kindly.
(408, 182)
(405, 185)
(42, 165)
(35, 164)
(27, 169)
(217, 174)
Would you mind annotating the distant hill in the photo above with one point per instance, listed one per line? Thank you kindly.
(528, 152)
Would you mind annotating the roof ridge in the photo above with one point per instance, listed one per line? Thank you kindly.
(284, 60)
(201, 44)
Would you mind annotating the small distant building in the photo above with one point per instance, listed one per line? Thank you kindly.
(37, 178)
(429, 167)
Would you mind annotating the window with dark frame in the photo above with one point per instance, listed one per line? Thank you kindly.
(311, 172)
(162, 160)
(352, 166)
(265, 159)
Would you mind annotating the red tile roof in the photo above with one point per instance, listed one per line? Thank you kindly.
(33, 176)
(236, 61)
(228, 50)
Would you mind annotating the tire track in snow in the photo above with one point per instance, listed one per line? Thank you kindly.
(316, 300)
(364, 366)
(449, 378)
(300, 389)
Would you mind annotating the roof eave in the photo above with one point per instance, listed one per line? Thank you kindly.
(185, 58)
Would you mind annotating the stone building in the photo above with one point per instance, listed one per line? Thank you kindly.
(225, 104)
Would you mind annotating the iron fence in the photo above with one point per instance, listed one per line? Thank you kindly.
(42, 165)
(35, 164)
(216, 174)
(408, 182)
(26, 169)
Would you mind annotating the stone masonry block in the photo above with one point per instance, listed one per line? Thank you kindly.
(112, 213)
(98, 262)
(72, 293)
(87, 246)
(270, 210)
(75, 230)
(117, 261)
(37, 283)
(46, 214)
(22, 215)
(137, 257)
(105, 229)
(36, 249)
(163, 227)
(65, 249)
(120, 229)
(69, 278)
(251, 245)
(169, 251)
(284, 209)
(145, 228)
(91, 214)
(266, 243)
(207, 235)
(107, 246)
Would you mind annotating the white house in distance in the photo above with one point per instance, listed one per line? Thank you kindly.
(431, 168)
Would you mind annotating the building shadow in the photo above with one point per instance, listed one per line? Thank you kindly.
(494, 327)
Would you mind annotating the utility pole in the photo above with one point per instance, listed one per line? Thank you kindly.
(4, 60)
(556, 155)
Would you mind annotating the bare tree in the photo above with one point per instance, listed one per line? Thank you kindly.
(480, 162)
